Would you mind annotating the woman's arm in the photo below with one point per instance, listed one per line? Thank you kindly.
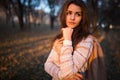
(50, 67)
(69, 64)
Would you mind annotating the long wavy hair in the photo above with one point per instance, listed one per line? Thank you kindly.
(83, 29)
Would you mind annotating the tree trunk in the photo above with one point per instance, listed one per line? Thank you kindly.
(20, 16)
(95, 13)
(21, 23)
(52, 22)
(95, 17)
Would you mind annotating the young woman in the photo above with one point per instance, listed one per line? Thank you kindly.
(73, 46)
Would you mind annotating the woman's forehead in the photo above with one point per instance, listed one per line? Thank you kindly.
(74, 7)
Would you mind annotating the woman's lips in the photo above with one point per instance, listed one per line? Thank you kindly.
(71, 23)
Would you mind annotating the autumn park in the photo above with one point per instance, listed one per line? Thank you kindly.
(27, 28)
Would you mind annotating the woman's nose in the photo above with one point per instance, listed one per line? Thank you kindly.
(72, 16)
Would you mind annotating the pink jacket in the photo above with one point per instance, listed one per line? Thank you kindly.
(65, 65)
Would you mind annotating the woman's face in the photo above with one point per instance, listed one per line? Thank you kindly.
(73, 16)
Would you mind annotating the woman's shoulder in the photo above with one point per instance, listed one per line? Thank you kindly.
(93, 38)
(89, 38)
(86, 42)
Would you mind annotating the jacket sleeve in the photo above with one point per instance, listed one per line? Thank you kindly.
(50, 67)
(69, 64)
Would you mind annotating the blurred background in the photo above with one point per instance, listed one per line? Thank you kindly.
(27, 28)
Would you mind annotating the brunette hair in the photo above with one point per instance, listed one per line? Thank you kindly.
(83, 29)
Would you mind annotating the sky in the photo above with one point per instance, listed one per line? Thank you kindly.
(44, 6)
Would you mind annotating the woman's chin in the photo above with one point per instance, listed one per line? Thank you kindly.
(71, 27)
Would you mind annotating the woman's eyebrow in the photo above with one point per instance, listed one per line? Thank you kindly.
(76, 11)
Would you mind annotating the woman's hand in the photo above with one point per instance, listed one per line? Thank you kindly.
(58, 44)
(67, 33)
(77, 76)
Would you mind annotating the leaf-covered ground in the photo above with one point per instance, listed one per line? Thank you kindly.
(23, 53)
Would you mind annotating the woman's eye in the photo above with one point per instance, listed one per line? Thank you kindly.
(78, 14)
(68, 12)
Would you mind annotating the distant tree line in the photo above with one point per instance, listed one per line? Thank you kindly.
(100, 10)
(20, 8)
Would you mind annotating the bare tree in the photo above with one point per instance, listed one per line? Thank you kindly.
(21, 9)
(6, 8)
(52, 5)
(95, 12)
